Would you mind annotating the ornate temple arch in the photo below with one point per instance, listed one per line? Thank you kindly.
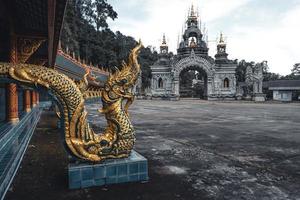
(193, 61)
(192, 53)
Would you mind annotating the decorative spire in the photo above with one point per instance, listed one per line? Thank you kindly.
(192, 20)
(221, 40)
(192, 11)
(164, 42)
(164, 39)
(221, 49)
(164, 46)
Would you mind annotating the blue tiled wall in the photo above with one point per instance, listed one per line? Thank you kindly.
(132, 169)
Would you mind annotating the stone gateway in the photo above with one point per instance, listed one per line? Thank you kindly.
(219, 78)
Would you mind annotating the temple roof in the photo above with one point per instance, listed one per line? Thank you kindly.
(282, 85)
(75, 69)
(33, 18)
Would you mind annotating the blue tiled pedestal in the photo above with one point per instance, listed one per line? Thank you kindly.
(131, 169)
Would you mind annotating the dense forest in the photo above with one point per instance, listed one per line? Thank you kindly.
(86, 33)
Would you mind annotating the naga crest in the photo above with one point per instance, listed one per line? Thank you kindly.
(118, 138)
(121, 81)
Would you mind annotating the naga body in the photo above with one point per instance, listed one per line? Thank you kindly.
(118, 138)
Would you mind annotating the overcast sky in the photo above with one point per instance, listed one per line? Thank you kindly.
(255, 30)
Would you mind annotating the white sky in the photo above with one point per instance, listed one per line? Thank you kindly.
(255, 30)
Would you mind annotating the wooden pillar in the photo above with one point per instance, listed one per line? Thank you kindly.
(12, 91)
(27, 101)
(12, 103)
(33, 98)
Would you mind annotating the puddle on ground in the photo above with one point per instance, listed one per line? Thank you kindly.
(172, 170)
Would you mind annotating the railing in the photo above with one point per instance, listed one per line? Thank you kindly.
(14, 140)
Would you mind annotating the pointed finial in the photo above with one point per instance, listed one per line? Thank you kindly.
(192, 11)
(73, 55)
(221, 41)
(164, 39)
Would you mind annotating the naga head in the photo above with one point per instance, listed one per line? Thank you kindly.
(122, 80)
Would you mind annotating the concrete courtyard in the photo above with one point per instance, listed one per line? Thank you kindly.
(196, 150)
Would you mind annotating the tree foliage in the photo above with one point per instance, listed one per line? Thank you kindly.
(86, 33)
(241, 70)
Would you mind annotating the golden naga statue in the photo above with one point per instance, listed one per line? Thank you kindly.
(118, 138)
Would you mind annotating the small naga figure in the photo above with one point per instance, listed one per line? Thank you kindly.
(118, 138)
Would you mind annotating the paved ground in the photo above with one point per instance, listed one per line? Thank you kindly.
(196, 150)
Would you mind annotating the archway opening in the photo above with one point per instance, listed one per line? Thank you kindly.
(193, 83)
(160, 83)
(226, 83)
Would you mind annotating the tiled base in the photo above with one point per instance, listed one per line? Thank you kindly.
(131, 169)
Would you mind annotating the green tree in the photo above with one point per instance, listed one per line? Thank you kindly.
(146, 59)
(86, 33)
(102, 11)
(241, 70)
(296, 68)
